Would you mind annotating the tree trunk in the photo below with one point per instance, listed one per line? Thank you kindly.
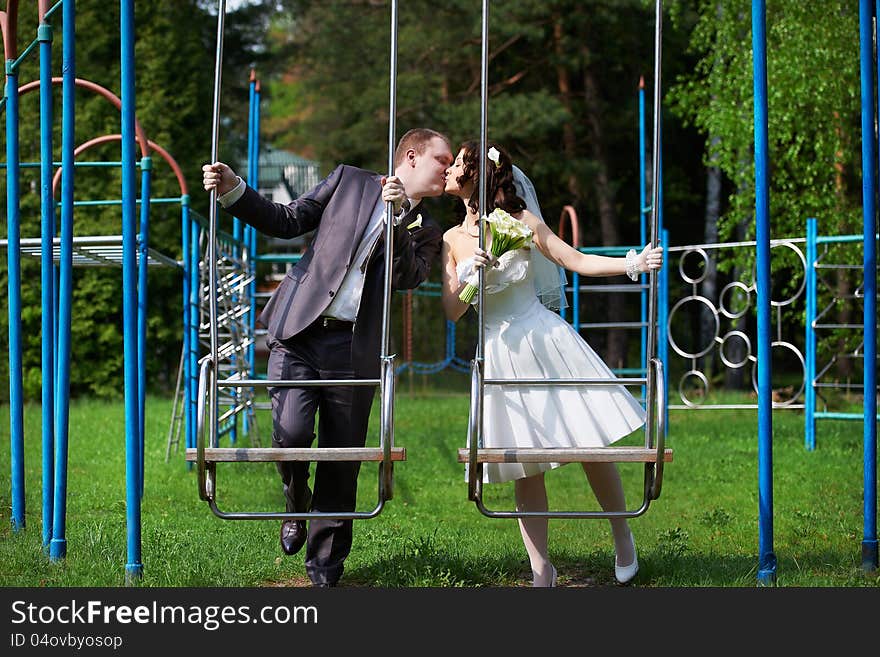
(569, 139)
(710, 286)
(616, 338)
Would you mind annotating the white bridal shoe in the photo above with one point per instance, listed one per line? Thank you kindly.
(552, 578)
(625, 574)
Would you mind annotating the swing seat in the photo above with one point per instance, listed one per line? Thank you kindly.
(275, 454)
(565, 455)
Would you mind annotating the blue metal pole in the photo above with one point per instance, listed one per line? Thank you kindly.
(643, 233)
(869, 196)
(251, 176)
(47, 278)
(133, 567)
(185, 248)
(662, 332)
(13, 235)
(252, 296)
(194, 295)
(810, 343)
(767, 559)
(58, 544)
(143, 246)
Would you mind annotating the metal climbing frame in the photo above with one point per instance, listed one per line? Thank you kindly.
(653, 454)
(235, 337)
(211, 386)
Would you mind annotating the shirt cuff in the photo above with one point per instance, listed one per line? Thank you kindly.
(233, 194)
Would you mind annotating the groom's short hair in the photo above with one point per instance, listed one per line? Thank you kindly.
(417, 139)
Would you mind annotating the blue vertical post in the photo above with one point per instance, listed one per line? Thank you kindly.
(58, 544)
(143, 263)
(643, 233)
(767, 559)
(13, 235)
(252, 292)
(47, 278)
(133, 567)
(186, 373)
(246, 249)
(869, 215)
(810, 341)
(663, 292)
(194, 295)
(663, 321)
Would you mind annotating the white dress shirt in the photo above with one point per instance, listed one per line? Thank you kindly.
(347, 299)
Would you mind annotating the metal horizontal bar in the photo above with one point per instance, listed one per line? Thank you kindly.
(570, 382)
(565, 455)
(611, 288)
(841, 416)
(839, 326)
(722, 407)
(614, 325)
(858, 267)
(37, 165)
(288, 383)
(275, 454)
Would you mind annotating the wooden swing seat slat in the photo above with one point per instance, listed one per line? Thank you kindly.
(275, 454)
(565, 455)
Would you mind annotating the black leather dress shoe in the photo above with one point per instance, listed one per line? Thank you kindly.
(293, 535)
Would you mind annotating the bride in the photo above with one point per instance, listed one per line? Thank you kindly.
(524, 338)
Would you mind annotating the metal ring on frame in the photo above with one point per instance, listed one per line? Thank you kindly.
(681, 302)
(792, 298)
(687, 278)
(791, 347)
(703, 380)
(723, 309)
(730, 363)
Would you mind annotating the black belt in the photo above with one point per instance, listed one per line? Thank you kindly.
(333, 324)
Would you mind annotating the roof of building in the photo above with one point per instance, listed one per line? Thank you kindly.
(277, 164)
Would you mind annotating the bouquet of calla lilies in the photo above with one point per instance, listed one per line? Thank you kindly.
(508, 234)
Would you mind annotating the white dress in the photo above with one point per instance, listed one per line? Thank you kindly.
(523, 339)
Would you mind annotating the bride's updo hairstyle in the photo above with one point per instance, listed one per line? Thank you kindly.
(500, 189)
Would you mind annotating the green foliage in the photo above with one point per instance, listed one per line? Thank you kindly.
(173, 85)
(813, 111)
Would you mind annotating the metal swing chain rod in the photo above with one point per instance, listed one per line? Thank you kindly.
(653, 478)
(211, 265)
(208, 389)
(475, 433)
(386, 389)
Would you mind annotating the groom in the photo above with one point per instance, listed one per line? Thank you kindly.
(325, 318)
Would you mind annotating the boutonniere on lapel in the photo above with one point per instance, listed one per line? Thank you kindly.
(416, 224)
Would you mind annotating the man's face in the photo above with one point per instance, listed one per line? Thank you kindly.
(427, 170)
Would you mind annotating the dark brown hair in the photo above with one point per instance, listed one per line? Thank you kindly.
(417, 139)
(500, 190)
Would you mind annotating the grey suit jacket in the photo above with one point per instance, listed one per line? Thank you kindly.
(339, 209)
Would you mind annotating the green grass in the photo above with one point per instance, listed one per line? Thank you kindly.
(703, 531)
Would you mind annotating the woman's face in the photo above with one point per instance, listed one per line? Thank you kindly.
(453, 173)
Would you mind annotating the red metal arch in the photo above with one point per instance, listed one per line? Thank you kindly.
(101, 91)
(9, 25)
(178, 172)
(569, 216)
